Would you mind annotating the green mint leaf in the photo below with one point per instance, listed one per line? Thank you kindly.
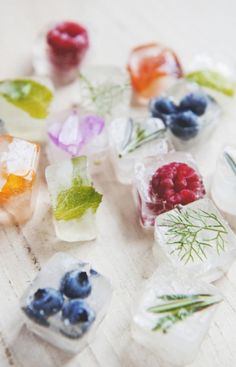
(28, 95)
(213, 80)
(74, 202)
(79, 175)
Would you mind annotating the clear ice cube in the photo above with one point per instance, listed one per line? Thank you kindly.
(74, 200)
(71, 330)
(195, 237)
(132, 139)
(173, 315)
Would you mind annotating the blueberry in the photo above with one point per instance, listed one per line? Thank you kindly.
(195, 102)
(76, 284)
(78, 313)
(162, 108)
(184, 125)
(46, 302)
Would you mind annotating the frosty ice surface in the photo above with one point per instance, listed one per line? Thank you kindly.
(195, 237)
(173, 315)
(18, 167)
(224, 183)
(135, 138)
(163, 182)
(74, 200)
(105, 90)
(24, 105)
(66, 302)
(153, 68)
(73, 133)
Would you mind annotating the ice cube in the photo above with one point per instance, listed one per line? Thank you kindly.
(163, 182)
(74, 200)
(66, 302)
(195, 237)
(198, 115)
(105, 91)
(153, 68)
(24, 107)
(135, 138)
(173, 315)
(224, 184)
(18, 167)
(73, 134)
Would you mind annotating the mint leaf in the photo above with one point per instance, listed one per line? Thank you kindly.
(28, 95)
(79, 175)
(74, 202)
(213, 80)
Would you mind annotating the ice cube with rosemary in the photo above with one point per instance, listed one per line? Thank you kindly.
(223, 187)
(135, 138)
(74, 199)
(66, 302)
(163, 182)
(173, 315)
(73, 133)
(105, 90)
(24, 107)
(195, 237)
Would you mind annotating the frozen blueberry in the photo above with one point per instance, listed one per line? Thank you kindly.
(46, 302)
(162, 108)
(184, 125)
(195, 102)
(79, 314)
(76, 284)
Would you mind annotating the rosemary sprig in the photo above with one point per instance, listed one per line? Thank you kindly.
(230, 161)
(102, 96)
(178, 307)
(192, 232)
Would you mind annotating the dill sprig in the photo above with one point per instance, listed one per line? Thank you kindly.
(102, 97)
(192, 232)
(178, 307)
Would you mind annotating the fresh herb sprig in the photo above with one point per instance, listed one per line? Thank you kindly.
(178, 307)
(192, 232)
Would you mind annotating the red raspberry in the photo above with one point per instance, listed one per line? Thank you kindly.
(172, 184)
(68, 43)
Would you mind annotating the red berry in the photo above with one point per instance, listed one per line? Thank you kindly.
(187, 196)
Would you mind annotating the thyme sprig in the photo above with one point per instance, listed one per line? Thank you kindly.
(178, 307)
(103, 96)
(192, 232)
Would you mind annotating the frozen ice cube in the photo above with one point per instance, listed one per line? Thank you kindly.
(74, 200)
(163, 182)
(66, 302)
(105, 90)
(72, 133)
(197, 117)
(195, 237)
(223, 188)
(18, 167)
(173, 315)
(132, 139)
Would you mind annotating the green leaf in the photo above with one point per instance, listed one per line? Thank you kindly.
(28, 95)
(74, 202)
(213, 80)
(79, 171)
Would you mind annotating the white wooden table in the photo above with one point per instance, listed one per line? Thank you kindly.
(122, 250)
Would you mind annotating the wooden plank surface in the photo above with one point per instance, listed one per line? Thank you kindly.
(122, 250)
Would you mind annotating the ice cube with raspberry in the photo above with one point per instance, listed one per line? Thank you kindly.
(165, 182)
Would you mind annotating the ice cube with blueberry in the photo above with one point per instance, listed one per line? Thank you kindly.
(66, 302)
(223, 186)
(195, 237)
(161, 183)
(73, 133)
(133, 138)
(74, 199)
(105, 91)
(173, 315)
(189, 113)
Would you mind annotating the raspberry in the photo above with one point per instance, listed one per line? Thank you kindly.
(172, 184)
